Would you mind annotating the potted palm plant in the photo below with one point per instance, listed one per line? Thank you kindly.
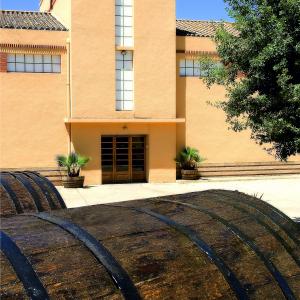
(188, 160)
(73, 163)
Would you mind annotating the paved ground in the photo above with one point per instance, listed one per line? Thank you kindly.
(281, 191)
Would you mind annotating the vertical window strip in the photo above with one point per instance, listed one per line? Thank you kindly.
(124, 80)
(33, 63)
(124, 22)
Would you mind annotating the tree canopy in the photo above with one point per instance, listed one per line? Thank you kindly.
(261, 72)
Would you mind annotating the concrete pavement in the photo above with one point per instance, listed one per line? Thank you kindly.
(281, 191)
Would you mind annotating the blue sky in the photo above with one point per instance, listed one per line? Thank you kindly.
(186, 9)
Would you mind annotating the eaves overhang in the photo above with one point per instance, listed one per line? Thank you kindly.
(124, 120)
(32, 48)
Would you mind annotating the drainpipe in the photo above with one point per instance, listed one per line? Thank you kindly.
(69, 94)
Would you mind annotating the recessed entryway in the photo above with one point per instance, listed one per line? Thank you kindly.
(123, 159)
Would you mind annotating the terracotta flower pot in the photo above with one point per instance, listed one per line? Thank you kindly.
(190, 174)
(73, 182)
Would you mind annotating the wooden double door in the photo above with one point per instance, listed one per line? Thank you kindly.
(123, 159)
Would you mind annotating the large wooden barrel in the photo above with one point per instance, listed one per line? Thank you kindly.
(207, 245)
(22, 192)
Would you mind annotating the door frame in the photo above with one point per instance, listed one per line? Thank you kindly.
(130, 171)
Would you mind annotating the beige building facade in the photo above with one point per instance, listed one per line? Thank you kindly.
(117, 81)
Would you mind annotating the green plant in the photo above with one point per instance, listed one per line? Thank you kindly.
(73, 162)
(189, 159)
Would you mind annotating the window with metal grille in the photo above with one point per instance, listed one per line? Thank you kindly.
(33, 63)
(124, 23)
(189, 68)
(124, 80)
(192, 68)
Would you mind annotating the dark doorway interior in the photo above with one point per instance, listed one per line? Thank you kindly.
(123, 159)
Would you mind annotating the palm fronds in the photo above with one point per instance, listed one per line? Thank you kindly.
(189, 158)
(72, 162)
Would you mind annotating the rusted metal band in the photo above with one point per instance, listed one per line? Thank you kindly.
(53, 189)
(234, 283)
(119, 276)
(27, 185)
(12, 195)
(286, 290)
(24, 270)
(40, 183)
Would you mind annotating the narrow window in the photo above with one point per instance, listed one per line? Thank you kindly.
(124, 80)
(124, 23)
(33, 63)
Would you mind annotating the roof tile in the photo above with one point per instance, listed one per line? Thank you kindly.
(202, 28)
(29, 20)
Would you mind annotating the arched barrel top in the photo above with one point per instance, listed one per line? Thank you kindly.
(206, 245)
(23, 192)
(202, 245)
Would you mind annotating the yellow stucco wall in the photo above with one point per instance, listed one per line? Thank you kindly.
(93, 54)
(206, 128)
(33, 37)
(161, 139)
(191, 43)
(155, 56)
(93, 50)
(93, 95)
(42, 132)
(32, 107)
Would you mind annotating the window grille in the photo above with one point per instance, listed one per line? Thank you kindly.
(33, 63)
(124, 80)
(191, 68)
(124, 23)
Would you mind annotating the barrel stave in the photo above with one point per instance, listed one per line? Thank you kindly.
(258, 217)
(51, 189)
(155, 261)
(62, 263)
(278, 216)
(23, 196)
(11, 287)
(162, 260)
(156, 255)
(294, 284)
(44, 187)
(7, 206)
(241, 259)
(41, 196)
(126, 231)
(260, 224)
(268, 243)
(80, 273)
(24, 192)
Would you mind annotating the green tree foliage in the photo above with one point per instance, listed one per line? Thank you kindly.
(261, 72)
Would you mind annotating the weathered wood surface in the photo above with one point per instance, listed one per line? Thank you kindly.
(22, 192)
(54, 174)
(157, 242)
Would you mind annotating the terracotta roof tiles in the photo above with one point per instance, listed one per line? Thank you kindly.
(30, 20)
(202, 28)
